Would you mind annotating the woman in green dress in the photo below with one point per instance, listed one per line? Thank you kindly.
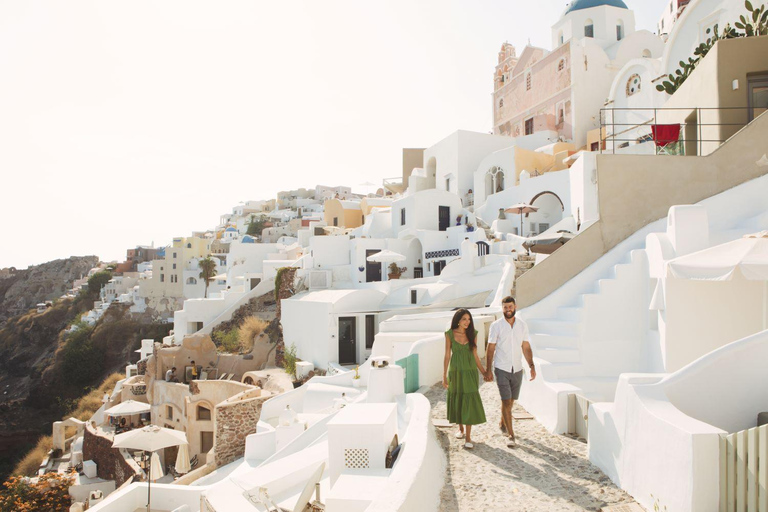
(460, 376)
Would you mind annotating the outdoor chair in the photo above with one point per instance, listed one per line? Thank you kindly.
(193, 463)
(224, 376)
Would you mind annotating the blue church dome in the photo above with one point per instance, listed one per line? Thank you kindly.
(248, 239)
(578, 5)
(230, 229)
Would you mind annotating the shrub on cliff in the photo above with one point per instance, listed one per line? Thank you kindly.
(49, 494)
(250, 329)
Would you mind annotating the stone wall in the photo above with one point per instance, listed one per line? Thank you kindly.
(110, 463)
(235, 420)
(285, 289)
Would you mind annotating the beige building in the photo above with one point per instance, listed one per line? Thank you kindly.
(165, 290)
(345, 214)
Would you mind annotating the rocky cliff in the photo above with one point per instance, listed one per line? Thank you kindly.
(44, 369)
(21, 290)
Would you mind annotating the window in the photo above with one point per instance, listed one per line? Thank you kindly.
(174, 266)
(162, 278)
(448, 184)
(189, 246)
(335, 221)
(633, 85)
(619, 30)
(169, 412)
(589, 28)
(191, 280)
(203, 413)
(529, 126)
(561, 65)
(174, 255)
(414, 297)
(501, 102)
(528, 82)
(206, 442)
(757, 86)
(560, 37)
(402, 216)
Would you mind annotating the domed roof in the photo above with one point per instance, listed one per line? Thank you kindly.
(248, 239)
(578, 5)
(230, 229)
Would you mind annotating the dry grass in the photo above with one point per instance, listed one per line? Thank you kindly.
(250, 329)
(31, 461)
(90, 403)
(86, 406)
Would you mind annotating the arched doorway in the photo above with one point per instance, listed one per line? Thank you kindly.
(550, 212)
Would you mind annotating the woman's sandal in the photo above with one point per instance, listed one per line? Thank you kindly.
(469, 446)
(459, 435)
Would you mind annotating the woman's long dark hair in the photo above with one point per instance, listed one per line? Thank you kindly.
(470, 330)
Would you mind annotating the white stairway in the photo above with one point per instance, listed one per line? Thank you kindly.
(583, 347)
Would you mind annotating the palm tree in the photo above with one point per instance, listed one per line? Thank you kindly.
(207, 271)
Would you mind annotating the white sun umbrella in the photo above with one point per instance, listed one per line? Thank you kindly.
(128, 408)
(386, 256)
(748, 255)
(155, 468)
(150, 439)
(183, 465)
(520, 209)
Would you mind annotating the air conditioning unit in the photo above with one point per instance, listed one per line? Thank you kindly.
(320, 279)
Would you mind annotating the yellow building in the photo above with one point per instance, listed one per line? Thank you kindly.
(346, 214)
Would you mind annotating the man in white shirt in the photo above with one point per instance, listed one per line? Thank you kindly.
(508, 343)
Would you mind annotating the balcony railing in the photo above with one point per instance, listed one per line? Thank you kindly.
(700, 129)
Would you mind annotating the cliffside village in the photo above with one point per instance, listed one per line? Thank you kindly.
(612, 211)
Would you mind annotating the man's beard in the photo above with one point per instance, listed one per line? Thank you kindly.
(509, 314)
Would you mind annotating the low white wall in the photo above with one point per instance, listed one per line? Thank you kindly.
(164, 497)
(661, 436)
(419, 472)
(431, 352)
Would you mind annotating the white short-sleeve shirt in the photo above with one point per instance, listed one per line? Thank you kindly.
(509, 340)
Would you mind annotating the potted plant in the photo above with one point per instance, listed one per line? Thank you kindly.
(356, 382)
(394, 271)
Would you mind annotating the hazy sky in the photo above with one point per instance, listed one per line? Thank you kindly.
(125, 123)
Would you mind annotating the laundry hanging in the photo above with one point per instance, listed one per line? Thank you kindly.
(664, 134)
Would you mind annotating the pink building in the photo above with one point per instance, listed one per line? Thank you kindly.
(564, 89)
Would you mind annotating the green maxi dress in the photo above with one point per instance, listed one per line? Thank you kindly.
(465, 406)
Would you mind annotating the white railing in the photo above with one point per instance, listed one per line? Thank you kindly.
(744, 471)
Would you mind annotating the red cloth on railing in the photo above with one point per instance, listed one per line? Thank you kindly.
(664, 134)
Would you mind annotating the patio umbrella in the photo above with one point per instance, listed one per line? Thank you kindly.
(549, 243)
(748, 255)
(128, 408)
(183, 465)
(150, 439)
(386, 257)
(155, 468)
(520, 209)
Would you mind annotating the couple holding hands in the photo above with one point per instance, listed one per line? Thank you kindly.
(508, 342)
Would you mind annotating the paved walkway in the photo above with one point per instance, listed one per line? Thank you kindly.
(545, 472)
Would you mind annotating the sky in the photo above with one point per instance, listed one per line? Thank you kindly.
(130, 123)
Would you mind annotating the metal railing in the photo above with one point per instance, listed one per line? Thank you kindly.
(608, 122)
